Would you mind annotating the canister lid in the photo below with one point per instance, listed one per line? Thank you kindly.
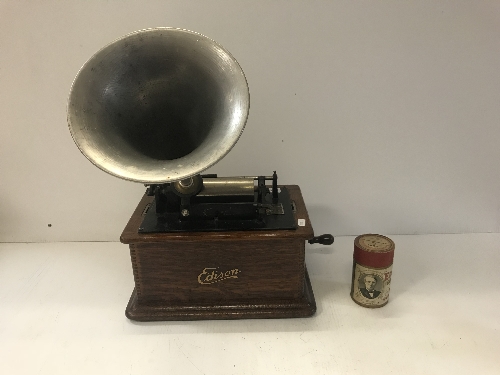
(373, 250)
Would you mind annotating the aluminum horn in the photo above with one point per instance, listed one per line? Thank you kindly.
(158, 105)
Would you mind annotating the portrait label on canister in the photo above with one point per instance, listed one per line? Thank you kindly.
(372, 270)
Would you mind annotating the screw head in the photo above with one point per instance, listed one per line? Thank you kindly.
(184, 212)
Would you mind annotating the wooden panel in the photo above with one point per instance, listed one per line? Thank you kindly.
(218, 270)
(302, 307)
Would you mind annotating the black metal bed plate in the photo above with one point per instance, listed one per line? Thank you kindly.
(167, 223)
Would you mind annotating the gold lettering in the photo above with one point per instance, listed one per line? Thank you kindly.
(204, 276)
(207, 277)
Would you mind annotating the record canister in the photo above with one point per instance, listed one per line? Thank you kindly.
(372, 270)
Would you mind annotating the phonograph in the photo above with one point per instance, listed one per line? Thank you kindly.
(160, 106)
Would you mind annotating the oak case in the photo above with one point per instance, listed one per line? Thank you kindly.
(220, 275)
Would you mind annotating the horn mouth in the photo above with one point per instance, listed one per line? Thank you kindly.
(158, 105)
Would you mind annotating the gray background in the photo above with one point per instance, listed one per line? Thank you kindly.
(385, 113)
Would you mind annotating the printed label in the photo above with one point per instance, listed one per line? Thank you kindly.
(371, 286)
(301, 222)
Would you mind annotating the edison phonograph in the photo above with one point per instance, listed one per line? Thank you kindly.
(160, 106)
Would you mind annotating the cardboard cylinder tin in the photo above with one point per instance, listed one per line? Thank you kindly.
(372, 270)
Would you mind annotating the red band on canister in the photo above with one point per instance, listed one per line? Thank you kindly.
(373, 259)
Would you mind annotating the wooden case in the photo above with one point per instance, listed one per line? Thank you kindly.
(220, 275)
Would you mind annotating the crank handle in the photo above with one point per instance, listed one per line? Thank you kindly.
(324, 239)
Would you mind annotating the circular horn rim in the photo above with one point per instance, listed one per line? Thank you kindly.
(164, 171)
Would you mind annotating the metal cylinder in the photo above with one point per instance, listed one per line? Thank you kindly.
(372, 270)
(227, 186)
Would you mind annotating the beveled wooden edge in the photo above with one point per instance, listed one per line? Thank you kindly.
(301, 308)
(131, 232)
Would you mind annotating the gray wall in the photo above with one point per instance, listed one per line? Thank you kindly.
(385, 113)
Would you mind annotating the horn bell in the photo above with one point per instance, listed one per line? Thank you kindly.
(158, 105)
